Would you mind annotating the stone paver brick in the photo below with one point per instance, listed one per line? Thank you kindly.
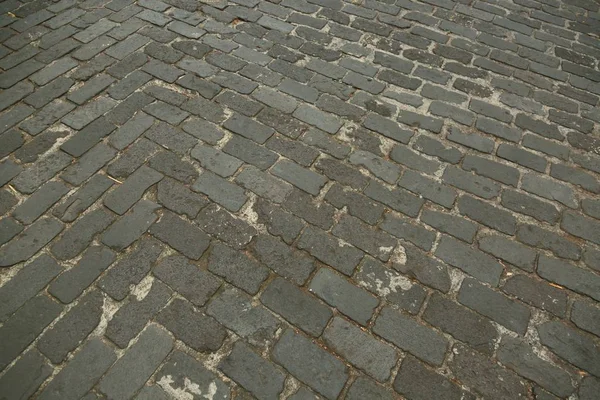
(566, 274)
(571, 344)
(505, 311)
(365, 352)
(30, 241)
(311, 364)
(297, 306)
(85, 368)
(69, 285)
(138, 363)
(352, 301)
(329, 250)
(486, 377)
(387, 283)
(259, 376)
(30, 371)
(519, 356)
(195, 329)
(25, 325)
(72, 328)
(409, 335)
(131, 318)
(236, 311)
(417, 381)
(470, 260)
(180, 369)
(186, 278)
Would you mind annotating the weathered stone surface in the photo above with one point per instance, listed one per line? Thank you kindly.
(235, 310)
(257, 375)
(295, 305)
(193, 283)
(366, 353)
(183, 373)
(310, 364)
(236, 170)
(409, 335)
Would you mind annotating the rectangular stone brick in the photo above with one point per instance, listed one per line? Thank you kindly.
(237, 268)
(507, 312)
(509, 251)
(537, 293)
(487, 378)
(296, 306)
(428, 188)
(81, 373)
(191, 282)
(479, 186)
(356, 204)
(25, 325)
(30, 371)
(492, 169)
(224, 226)
(474, 141)
(520, 356)
(361, 349)
(414, 380)
(566, 274)
(456, 226)
(473, 262)
(66, 335)
(304, 179)
(463, 324)
(529, 205)
(130, 269)
(327, 249)
(409, 335)
(72, 283)
(575, 176)
(321, 120)
(350, 300)
(181, 235)
(542, 238)
(130, 227)
(221, 191)
(131, 318)
(404, 229)
(40, 201)
(311, 364)
(522, 157)
(386, 283)
(236, 311)
(354, 231)
(87, 137)
(138, 363)
(549, 189)
(487, 214)
(248, 128)
(26, 284)
(31, 240)
(84, 197)
(257, 375)
(88, 164)
(397, 199)
(81, 233)
(197, 330)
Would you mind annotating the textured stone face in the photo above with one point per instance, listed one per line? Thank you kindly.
(299, 199)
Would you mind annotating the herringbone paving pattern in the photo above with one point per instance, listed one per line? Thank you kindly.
(299, 199)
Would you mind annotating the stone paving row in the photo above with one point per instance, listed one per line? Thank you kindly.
(299, 199)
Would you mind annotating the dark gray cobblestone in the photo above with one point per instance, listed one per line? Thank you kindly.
(299, 199)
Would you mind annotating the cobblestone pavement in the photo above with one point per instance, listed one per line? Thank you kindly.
(300, 199)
